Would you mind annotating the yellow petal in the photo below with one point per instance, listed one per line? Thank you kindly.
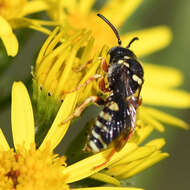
(155, 75)
(107, 188)
(86, 167)
(132, 147)
(34, 6)
(123, 168)
(65, 76)
(4, 146)
(143, 133)
(166, 118)
(105, 178)
(8, 37)
(118, 11)
(139, 153)
(157, 143)
(85, 6)
(45, 46)
(143, 164)
(150, 40)
(57, 131)
(150, 120)
(22, 116)
(166, 97)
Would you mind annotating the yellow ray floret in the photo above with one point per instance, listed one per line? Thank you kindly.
(150, 40)
(166, 118)
(167, 97)
(57, 130)
(8, 37)
(22, 116)
(138, 160)
(138, 166)
(119, 11)
(162, 77)
(105, 178)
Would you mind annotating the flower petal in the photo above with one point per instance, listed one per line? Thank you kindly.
(150, 40)
(157, 143)
(155, 75)
(86, 167)
(166, 97)
(119, 11)
(22, 116)
(4, 146)
(139, 153)
(8, 37)
(166, 118)
(107, 188)
(150, 120)
(85, 6)
(143, 133)
(142, 164)
(57, 131)
(105, 178)
(45, 46)
(34, 6)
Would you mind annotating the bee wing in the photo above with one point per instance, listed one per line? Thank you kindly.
(126, 83)
(132, 102)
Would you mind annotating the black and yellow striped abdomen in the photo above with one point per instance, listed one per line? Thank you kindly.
(109, 125)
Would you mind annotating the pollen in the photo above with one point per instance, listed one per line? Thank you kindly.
(32, 169)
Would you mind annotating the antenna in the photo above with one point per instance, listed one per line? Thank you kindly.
(135, 38)
(112, 27)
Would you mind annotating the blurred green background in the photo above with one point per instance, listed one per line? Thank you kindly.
(172, 173)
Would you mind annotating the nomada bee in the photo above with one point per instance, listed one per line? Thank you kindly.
(116, 122)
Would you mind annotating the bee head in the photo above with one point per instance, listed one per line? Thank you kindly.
(118, 52)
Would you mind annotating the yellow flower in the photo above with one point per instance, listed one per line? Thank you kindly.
(60, 68)
(12, 15)
(33, 168)
(80, 14)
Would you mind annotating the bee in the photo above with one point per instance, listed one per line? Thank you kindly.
(116, 122)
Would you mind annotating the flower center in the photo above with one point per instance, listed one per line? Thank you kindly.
(13, 175)
(32, 169)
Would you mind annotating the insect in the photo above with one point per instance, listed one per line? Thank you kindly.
(116, 122)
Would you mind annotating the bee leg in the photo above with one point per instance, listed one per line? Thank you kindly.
(102, 86)
(79, 109)
(121, 142)
(119, 145)
(108, 158)
(104, 65)
(90, 79)
(79, 69)
(139, 101)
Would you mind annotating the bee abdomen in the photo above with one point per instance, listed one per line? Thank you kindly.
(100, 136)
